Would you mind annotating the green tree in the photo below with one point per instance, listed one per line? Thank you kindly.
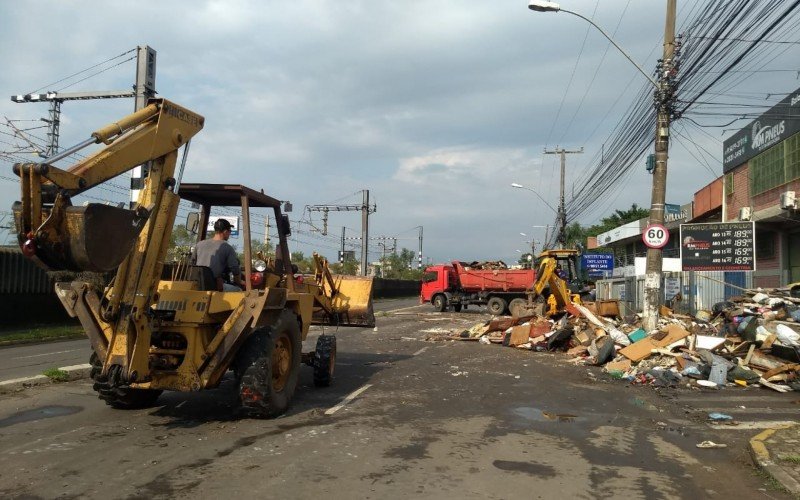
(400, 266)
(180, 243)
(526, 259)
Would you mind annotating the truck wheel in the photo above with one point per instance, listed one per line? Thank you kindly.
(324, 360)
(269, 364)
(457, 307)
(517, 307)
(116, 395)
(440, 303)
(496, 305)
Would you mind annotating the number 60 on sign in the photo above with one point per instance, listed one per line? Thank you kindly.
(655, 236)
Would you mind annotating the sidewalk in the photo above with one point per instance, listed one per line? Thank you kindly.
(777, 452)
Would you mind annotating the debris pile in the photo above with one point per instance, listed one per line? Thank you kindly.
(488, 265)
(750, 340)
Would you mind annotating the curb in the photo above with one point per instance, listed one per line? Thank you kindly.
(762, 458)
(74, 372)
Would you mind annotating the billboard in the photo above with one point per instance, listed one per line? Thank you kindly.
(718, 246)
(232, 219)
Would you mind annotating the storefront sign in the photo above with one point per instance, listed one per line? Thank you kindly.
(775, 125)
(723, 246)
(597, 264)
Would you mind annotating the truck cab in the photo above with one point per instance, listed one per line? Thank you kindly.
(438, 282)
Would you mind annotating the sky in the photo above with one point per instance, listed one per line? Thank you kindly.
(434, 106)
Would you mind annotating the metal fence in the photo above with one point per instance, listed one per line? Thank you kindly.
(698, 290)
(20, 275)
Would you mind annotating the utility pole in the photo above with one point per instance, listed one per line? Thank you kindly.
(365, 210)
(562, 211)
(663, 101)
(145, 88)
(419, 254)
(364, 232)
(266, 232)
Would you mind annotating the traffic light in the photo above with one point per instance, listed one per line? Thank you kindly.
(341, 256)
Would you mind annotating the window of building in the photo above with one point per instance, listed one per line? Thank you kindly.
(765, 245)
(792, 147)
(729, 183)
(767, 170)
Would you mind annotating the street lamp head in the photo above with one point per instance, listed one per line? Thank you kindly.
(515, 185)
(523, 234)
(542, 6)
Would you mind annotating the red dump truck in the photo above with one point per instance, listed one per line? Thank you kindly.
(460, 284)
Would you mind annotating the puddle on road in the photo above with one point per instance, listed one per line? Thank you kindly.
(39, 414)
(539, 415)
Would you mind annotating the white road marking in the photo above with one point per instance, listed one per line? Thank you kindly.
(47, 354)
(346, 400)
(764, 424)
(421, 351)
(748, 409)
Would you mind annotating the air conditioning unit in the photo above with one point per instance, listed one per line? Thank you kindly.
(788, 201)
(745, 213)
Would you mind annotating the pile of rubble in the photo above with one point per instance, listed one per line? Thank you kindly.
(751, 340)
(486, 265)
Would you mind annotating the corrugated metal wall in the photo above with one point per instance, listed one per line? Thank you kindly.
(20, 275)
(700, 290)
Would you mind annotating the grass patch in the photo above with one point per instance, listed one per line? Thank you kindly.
(39, 333)
(792, 459)
(56, 375)
(771, 483)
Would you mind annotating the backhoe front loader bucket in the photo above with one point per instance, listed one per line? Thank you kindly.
(350, 303)
(95, 237)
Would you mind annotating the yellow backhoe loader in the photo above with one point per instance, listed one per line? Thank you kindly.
(168, 327)
(554, 290)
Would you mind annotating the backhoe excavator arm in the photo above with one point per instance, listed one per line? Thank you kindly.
(61, 236)
(99, 237)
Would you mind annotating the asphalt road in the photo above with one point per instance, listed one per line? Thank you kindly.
(27, 360)
(430, 420)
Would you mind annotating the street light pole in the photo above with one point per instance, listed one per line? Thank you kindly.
(663, 102)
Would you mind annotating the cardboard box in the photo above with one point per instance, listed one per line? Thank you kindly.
(519, 335)
(642, 349)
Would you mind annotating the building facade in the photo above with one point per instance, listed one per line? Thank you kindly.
(761, 167)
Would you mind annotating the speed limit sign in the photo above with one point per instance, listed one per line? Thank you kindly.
(655, 236)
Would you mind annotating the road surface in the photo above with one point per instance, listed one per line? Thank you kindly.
(28, 360)
(404, 418)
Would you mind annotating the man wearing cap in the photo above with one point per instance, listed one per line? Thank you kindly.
(218, 255)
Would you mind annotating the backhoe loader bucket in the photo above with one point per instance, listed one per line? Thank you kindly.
(351, 302)
(95, 237)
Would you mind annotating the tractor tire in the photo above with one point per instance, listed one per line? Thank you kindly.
(497, 305)
(518, 307)
(110, 389)
(268, 366)
(457, 308)
(440, 303)
(324, 360)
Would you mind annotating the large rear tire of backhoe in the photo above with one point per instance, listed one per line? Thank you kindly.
(324, 360)
(110, 389)
(268, 367)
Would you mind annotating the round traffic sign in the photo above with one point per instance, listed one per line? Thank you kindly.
(655, 236)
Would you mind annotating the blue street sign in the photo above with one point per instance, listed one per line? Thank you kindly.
(597, 264)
